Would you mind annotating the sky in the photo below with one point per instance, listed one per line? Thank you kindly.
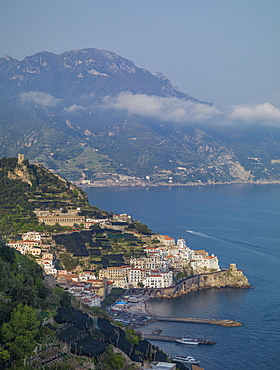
(220, 51)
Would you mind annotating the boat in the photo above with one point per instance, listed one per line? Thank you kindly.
(186, 359)
(193, 341)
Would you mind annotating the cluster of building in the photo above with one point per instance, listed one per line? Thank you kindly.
(72, 217)
(85, 286)
(160, 265)
(31, 244)
(164, 259)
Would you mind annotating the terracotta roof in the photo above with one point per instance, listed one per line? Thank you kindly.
(166, 237)
(155, 275)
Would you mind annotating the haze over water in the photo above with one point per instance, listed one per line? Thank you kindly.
(238, 223)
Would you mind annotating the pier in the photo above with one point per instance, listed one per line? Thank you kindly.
(165, 338)
(222, 322)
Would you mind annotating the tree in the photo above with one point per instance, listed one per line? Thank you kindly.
(132, 336)
(65, 300)
(142, 228)
(19, 333)
(111, 361)
(4, 354)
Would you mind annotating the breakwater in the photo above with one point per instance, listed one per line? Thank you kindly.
(222, 322)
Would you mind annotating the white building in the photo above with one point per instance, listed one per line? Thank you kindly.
(31, 235)
(136, 276)
(204, 263)
(166, 240)
(159, 280)
(181, 243)
(92, 221)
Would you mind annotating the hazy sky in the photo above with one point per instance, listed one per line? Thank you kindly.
(221, 51)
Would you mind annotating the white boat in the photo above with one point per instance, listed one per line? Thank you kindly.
(192, 341)
(185, 359)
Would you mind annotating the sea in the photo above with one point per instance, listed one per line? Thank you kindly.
(238, 223)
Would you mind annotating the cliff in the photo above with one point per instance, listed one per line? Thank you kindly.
(231, 278)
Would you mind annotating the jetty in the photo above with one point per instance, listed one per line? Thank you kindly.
(222, 322)
(165, 338)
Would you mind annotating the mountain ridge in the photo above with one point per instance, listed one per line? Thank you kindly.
(90, 115)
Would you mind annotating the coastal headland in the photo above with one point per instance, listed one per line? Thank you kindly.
(226, 278)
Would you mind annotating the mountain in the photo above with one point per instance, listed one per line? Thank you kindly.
(90, 114)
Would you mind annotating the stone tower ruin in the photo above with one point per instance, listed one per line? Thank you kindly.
(20, 158)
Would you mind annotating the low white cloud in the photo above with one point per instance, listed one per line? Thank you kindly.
(38, 97)
(74, 108)
(168, 109)
(255, 113)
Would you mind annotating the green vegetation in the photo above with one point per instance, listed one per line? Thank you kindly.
(68, 262)
(111, 360)
(20, 332)
(142, 228)
(183, 274)
(23, 295)
(25, 187)
(132, 336)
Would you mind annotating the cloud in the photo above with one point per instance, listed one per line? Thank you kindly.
(74, 108)
(38, 97)
(255, 113)
(167, 109)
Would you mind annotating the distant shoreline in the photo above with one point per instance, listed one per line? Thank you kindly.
(152, 185)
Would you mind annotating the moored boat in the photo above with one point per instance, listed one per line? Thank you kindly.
(186, 359)
(192, 341)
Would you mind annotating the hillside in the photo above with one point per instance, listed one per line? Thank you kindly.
(25, 187)
(91, 115)
(35, 314)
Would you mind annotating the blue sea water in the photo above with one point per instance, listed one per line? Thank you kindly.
(238, 223)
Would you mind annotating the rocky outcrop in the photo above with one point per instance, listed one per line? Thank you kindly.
(21, 172)
(232, 278)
